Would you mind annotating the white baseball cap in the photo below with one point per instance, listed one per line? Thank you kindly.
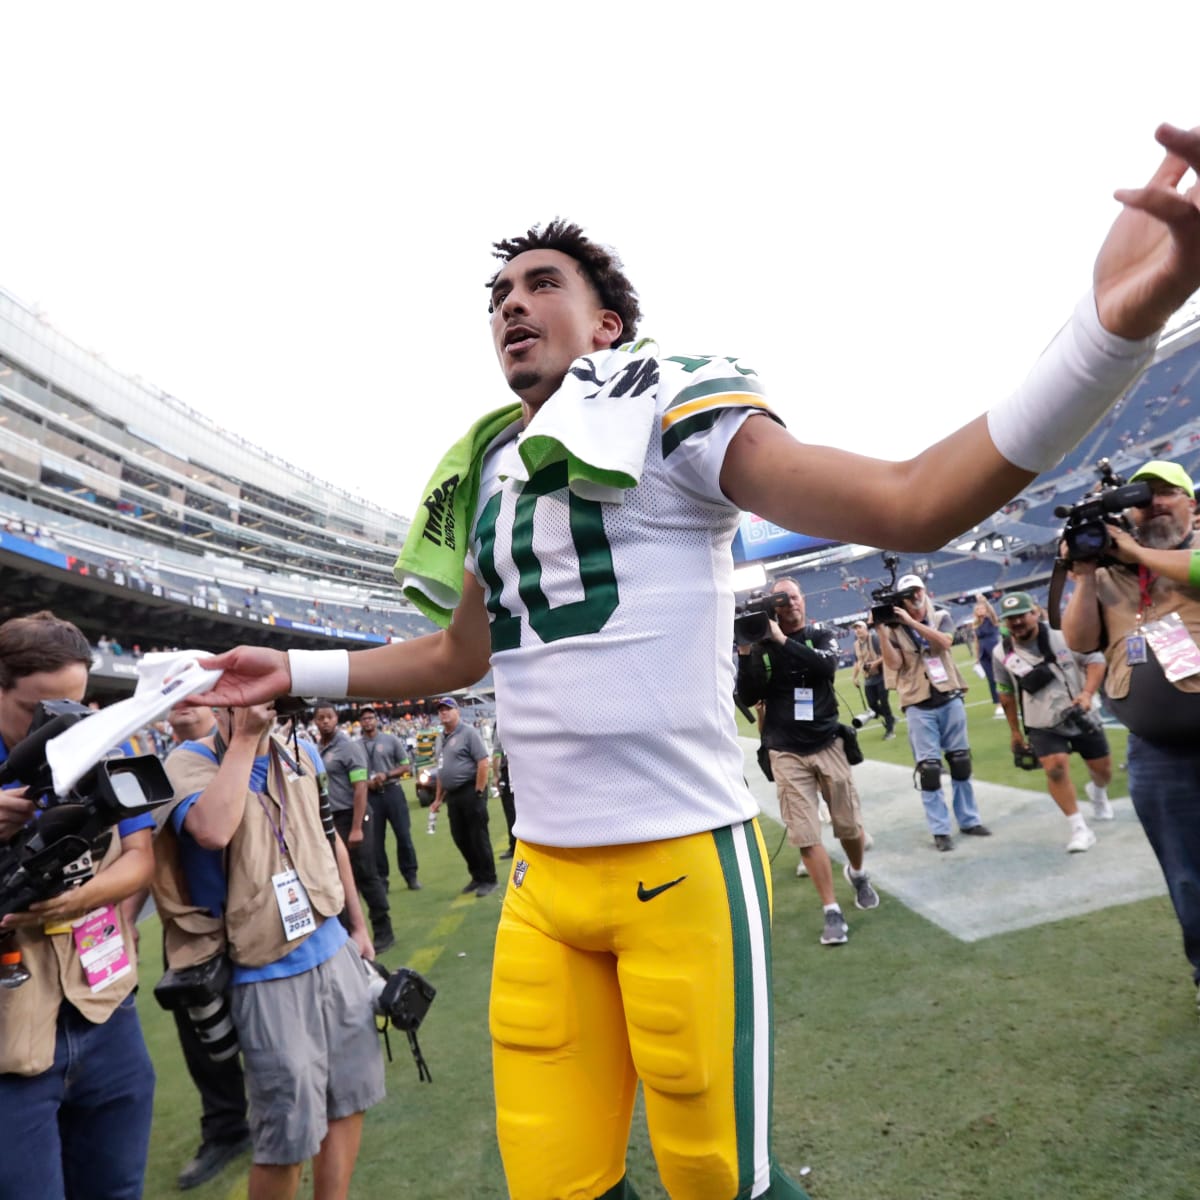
(908, 582)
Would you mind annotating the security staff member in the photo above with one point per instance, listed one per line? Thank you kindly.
(389, 806)
(462, 785)
(1145, 617)
(1046, 688)
(917, 662)
(793, 670)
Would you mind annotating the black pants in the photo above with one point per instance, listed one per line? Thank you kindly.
(509, 804)
(366, 879)
(221, 1086)
(469, 829)
(877, 698)
(390, 807)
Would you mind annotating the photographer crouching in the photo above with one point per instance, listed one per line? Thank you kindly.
(248, 867)
(76, 1083)
(792, 668)
(1142, 610)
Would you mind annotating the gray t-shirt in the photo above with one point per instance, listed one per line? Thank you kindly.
(345, 764)
(1049, 705)
(385, 752)
(459, 754)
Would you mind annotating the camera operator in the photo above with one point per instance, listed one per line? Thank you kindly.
(77, 1086)
(1048, 689)
(916, 657)
(868, 661)
(247, 864)
(793, 671)
(1143, 612)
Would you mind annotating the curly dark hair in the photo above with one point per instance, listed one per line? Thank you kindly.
(599, 264)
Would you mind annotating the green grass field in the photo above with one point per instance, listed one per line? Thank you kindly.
(1061, 1061)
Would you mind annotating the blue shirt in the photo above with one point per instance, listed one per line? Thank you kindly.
(207, 883)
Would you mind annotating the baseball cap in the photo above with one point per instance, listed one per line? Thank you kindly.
(859, 624)
(1016, 603)
(908, 582)
(367, 708)
(1168, 472)
(447, 702)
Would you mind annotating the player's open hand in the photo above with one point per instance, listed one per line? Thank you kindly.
(252, 675)
(1150, 261)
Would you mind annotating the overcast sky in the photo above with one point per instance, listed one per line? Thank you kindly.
(282, 213)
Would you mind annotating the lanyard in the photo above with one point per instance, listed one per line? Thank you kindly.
(1146, 580)
(280, 830)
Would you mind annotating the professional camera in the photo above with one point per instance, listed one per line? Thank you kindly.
(72, 833)
(1025, 758)
(883, 611)
(202, 992)
(1086, 531)
(751, 621)
(402, 998)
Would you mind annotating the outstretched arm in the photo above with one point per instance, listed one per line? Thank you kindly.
(1148, 266)
(425, 666)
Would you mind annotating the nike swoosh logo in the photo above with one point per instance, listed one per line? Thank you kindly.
(645, 893)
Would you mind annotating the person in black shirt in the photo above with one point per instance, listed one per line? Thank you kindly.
(793, 671)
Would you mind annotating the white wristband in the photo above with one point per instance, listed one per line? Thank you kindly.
(320, 673)
(1078, 378)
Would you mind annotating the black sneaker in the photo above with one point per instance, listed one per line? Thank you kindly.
(836, 931)
(412, 883)
(976, 831)
(507, 854)
(471, 887)
(384, 941)
(211, 1159)
(941, 841)
(485, 889)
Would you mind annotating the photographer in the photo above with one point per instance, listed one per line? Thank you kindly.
(244, 867)
(868, 661)
(1145, 619)
(917, 660)
(77, 1086)
(1048, 689)
(793, 671)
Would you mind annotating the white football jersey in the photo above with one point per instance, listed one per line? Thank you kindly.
(612, 628)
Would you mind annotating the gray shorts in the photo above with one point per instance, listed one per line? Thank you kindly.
(311, 1054)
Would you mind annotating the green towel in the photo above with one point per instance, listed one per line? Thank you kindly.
(430, 565)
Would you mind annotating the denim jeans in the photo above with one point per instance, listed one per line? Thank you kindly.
(1164, 783)
(81, 1130)
(931, 733)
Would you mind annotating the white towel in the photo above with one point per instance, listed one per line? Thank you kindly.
(163, 680)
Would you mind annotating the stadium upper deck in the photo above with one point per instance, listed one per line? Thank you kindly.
(125, 482)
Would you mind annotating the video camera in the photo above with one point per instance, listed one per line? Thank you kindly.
(60, 849)
(1085, 535)
(751, 620)
(883, 611)
(1086, 531)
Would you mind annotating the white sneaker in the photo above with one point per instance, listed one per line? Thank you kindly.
(1102, 810)
(999, 713)
(801, 870)
(1081, 840)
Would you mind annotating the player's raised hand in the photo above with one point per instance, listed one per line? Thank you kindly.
(251, 675)
(1150, 261)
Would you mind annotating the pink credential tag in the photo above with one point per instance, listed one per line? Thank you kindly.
(1173, 646)
(101, 947)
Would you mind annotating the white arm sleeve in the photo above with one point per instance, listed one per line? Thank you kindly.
(1076, 381)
